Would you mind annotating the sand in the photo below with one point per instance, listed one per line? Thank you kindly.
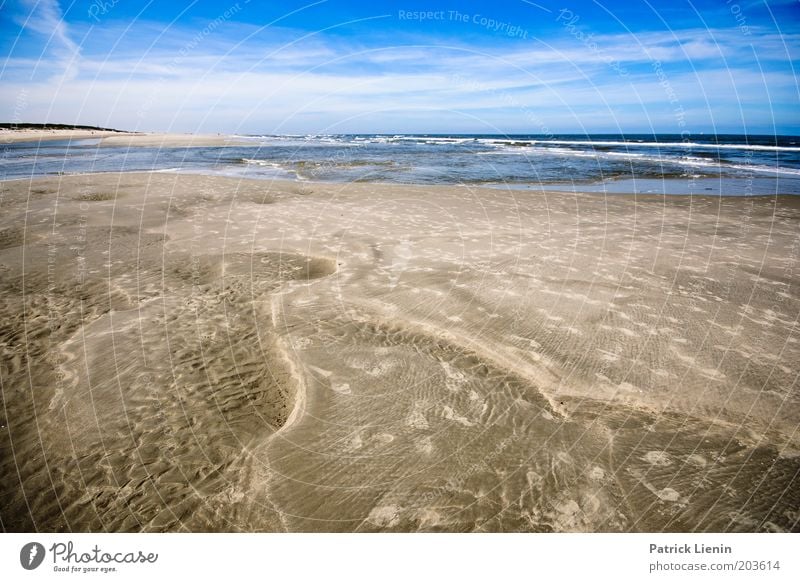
(190, 353)
(171, 140)
(9, 136)
(119, 139)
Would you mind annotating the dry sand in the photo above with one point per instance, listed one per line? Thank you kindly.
(119, 139)
(208, 354)
(31, 135)
(171, 140)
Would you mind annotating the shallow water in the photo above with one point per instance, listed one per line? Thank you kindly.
(667, 164)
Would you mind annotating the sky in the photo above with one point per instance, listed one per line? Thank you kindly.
(436, 66)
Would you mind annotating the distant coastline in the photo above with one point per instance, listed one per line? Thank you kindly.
(11, 133)
(57, 126)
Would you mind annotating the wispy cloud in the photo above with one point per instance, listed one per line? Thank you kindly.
(245, 78)
(45, 18)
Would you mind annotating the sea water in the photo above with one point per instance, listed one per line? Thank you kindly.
(733, 165)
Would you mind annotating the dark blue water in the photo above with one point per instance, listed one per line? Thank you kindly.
(721, 164)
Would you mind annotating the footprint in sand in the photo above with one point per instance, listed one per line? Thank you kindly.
(597, 474)
(417, 420)
(343, 388)
(658, 458)
(697, 460)
(450, 414)
(424, 445)
(667, 494)
(385, 516)
(455, 379)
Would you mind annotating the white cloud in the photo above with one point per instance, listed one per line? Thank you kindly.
(272, 83)
(45, 18)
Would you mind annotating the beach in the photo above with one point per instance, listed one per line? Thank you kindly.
(115, 138)
(10, 136)
(207, 353)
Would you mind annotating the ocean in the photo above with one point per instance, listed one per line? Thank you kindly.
(731, 165)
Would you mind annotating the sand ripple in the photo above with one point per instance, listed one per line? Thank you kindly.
(184, 353)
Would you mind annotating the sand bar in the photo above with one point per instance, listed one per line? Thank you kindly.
(8, 136)
(119, 139)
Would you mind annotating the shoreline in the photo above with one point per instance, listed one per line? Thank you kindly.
(552, 189)
(760, 181)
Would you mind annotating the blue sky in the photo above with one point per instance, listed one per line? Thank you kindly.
(509, 66)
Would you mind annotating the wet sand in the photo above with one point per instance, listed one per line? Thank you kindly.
(188, 353)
